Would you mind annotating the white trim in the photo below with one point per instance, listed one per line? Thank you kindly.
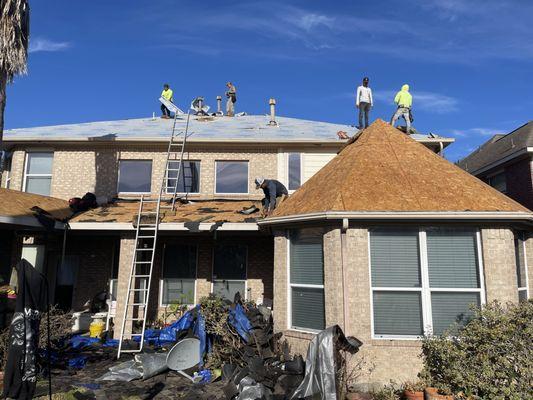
(27, 175)
(162, 278)
(164, 226)
(526, 271)
(151, 176)
(425, 290)
(403, 215)
(307, 286)
(27, 222)
(247, 179)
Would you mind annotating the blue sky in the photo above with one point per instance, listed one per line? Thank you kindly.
(469, 63)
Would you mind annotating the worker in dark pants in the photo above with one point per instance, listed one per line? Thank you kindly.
(364, 103)
(167, 94)
(275, 193)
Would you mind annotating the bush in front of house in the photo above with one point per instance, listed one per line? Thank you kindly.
(491, 357)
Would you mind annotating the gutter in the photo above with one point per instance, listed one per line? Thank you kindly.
(29, 222)
(403, 216)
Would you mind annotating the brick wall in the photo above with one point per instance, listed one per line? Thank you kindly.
(77, 170)
(519, 182)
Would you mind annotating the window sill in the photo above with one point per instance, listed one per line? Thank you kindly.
(297, 334)
(387, 342)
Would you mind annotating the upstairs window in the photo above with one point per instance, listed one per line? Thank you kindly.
(231, 177)
(38, 173)
(423, 281)
(135, 176)
(499, 182)
(521, 266)
(179, 275)
(189, 179)
(295, 171)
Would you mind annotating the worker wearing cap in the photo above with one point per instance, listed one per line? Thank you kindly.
(404, 101)
(167, 94)
(364, 103)
(275, 192)
(231, 94)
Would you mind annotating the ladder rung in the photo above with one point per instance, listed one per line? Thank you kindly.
(134, 319)
(138, 290)
(143, 262)
(137, 304)
(140, 276)
(145, 237)
(150, 249)
(148, 212)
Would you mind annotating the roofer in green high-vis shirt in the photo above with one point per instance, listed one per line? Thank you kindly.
(167, 94)
(404, 101)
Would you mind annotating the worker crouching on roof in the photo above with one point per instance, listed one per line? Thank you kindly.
(167, 94)
(275, 193)
(231, 94)
(404, 101)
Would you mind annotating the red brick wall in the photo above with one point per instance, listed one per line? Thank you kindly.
(520, 183)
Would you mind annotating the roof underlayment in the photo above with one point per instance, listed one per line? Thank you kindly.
(385, 171)
(247, 128)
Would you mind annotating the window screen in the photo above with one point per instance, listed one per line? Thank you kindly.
(451, 308)
(397, 313)
(189, 181)
(231, 177)
(135, 176)
(308, 308)
(307, 259)
(295, 171)
(38, 177)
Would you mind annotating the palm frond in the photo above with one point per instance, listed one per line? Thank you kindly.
(14, 36)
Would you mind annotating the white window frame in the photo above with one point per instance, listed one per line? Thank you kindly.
(290, 285)
(27, 175)
(247, 162)
(199, 176)
(246, 297)
(287, 177)
(425, 289)
(151, 176)
(521, 238)
(161, 279)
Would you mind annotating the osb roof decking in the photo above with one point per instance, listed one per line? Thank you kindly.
(205, 211)
(385, 170)
(14, 203)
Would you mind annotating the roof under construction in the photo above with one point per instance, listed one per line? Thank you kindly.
(246, 128)
(386, 171)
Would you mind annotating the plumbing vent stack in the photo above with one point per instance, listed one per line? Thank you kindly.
(272, 103)
(219, 104)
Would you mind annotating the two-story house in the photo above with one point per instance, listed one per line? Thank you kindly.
(205, 245)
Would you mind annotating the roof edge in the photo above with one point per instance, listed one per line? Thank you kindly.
(403, 215)
(163, 226)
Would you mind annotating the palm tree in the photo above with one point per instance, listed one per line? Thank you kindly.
(14, 38)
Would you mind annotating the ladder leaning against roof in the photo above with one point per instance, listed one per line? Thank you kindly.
(146, 232)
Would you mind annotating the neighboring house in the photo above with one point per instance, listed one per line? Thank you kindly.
(205, 246)
(392, 242)
(505, 162)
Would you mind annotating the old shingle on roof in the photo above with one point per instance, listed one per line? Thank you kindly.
(14, 203)
(384, 170)
(499, 147)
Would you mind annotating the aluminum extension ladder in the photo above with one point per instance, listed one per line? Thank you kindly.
(146, 232)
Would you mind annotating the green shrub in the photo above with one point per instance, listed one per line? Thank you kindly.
(490, 357)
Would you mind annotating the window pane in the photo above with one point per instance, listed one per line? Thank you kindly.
(522, 295)
(230, 262)
(398, 313)
(232, 177)
(135, 176)
(307, 258)
(178, 291)
(452, 258)
(450, 308)
(189, 181)
(38, 185)
(180, 262)
(499, 182)
(395, 258)
(228, 289)
(308, 308)
(520, 262)
(40, 163)
(295, 172)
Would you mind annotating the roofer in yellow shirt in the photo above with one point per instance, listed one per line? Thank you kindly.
(404, 101)
(167, 94)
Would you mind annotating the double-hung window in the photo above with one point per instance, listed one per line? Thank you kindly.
(423, 280)
(189, 179)
(306, 280)
(179, 274)
(229, 270)
(231, 177)
(135, 176)
(38, 173)
(521, 266)
(295, 170)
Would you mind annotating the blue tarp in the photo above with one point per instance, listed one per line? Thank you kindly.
(77, 362)
(238, 319)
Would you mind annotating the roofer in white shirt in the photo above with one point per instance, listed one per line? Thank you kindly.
(364, 102)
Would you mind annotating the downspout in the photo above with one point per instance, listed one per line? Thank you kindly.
(344, 229)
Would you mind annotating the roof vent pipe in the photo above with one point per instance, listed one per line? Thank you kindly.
(272, 103)
(219, 104)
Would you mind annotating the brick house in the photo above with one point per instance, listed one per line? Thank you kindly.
(391, 242)
(505, 162)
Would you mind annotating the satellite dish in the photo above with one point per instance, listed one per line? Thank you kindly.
(198, 106)
(184, 355)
